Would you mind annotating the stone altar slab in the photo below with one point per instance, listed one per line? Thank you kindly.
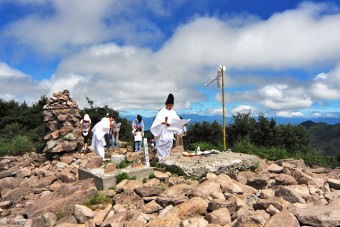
(106, 180)
(223, 162)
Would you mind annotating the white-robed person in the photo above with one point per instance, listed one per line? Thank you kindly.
(163, 131)
(98, 138)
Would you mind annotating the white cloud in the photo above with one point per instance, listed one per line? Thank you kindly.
(325, 91)
(293, 38)
(15, 85)
(281, 97)
(334, 75)
(217, 111)
(130, 77)
(317, 114)
(321, 76)
(125, 78)
(243, 109)
(72, 24)
(273, 91)
(289, 114)
(7, 72)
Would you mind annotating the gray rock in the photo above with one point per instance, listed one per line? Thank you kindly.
(317, 215)
(334, 183)
(146, 191)
(289, 194)
(82, 213)
(220, 217)
(63, 199)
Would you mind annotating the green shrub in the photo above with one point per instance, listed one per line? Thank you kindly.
(312, 157)
(122, 176)
(123, 164)
(315, 157)
(244, 146)
(4, 147)
(273, 153)
(20, 145)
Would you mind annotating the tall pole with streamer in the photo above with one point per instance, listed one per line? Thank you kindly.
(219, 78)
(223, 110)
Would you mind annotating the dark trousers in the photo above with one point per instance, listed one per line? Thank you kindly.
(107, 140)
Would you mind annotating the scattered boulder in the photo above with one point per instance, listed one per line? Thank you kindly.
(38, 192)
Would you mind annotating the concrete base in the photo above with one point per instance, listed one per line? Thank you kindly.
(106, 180)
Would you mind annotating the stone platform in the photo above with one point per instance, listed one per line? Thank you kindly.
(223, 162)
(106, 180)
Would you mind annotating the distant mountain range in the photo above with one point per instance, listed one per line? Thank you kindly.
(325, 137)
(279, 120)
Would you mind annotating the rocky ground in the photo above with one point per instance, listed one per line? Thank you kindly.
(38, 192)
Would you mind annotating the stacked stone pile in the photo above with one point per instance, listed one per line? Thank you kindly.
(62, 122)
(37, 192)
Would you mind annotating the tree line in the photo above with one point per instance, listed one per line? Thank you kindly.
(22, 130)
(261, 136)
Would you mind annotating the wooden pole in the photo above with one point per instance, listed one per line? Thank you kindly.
(223, 110)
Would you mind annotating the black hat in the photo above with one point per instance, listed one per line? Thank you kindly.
(170, 99)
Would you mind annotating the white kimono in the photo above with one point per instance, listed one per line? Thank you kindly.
(164, 135)
(98, 140)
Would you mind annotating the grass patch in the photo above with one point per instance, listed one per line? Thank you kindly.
(98, 198)
(123, 164)
(60, 214)
(122, 176)
(19, 145)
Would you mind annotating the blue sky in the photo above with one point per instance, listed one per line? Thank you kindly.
(282, 57)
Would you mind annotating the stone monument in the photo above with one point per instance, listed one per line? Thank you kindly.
(62, 124)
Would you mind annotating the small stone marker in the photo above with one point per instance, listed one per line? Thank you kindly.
(146, 152)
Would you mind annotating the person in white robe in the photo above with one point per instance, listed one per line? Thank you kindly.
(98, 138)
(163, 130)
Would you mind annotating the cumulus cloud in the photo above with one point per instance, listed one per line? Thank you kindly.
(125, 78)
(7, 72)
(317, 114)
(15, 85)
(321, 76)
(280, 97)
(68, 26)
(284, 40)
(109, 56)
(289, 114)
(243, 109)
(72, 24)
(325, 91)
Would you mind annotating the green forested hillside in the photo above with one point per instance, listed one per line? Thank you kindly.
(324, 137)
(22, 130)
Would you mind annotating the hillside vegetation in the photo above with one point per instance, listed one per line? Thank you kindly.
(22, 130)
(324, 137)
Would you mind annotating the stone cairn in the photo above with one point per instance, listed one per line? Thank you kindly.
(62, 124)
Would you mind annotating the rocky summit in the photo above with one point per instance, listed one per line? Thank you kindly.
(36, 192)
